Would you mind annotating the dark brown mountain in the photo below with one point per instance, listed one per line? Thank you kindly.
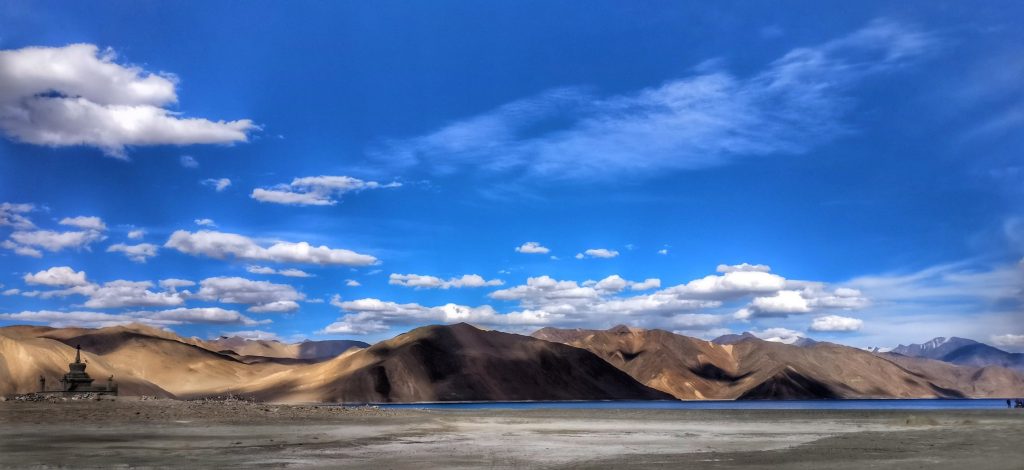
(456, 363)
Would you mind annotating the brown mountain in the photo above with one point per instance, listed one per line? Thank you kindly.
(988, 381)
(460, 362)
(456, 363)
(312, 351)
(749, 368)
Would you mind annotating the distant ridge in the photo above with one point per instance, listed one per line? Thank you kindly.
(934, 349)
(962, 351)
(734, 338)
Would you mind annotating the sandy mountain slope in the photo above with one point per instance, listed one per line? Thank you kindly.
(180, 368)
(988, 381)
(750, 368)
(311, 350)
(455, 363)
(140, 353)
(24, 358)
(684, 367)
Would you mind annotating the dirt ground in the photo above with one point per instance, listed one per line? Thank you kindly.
(135, 433)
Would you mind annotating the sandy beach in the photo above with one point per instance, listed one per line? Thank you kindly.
(130, 432)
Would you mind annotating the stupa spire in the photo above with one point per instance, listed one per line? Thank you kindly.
(78, 354)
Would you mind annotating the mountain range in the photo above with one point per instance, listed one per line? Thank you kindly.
(963, 352)
(463, 363)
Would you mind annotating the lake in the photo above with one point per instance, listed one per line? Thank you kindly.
(921, 404)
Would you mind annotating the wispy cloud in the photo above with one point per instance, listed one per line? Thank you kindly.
(316, 190)
(707, 119)
(218, 184)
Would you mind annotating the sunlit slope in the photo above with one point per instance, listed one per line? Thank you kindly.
(24, 358)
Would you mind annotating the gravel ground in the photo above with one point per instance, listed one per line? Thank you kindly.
(131, 432)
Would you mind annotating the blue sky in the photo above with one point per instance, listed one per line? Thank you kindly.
(785, 168)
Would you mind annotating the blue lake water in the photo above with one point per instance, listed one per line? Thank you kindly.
(977, 404)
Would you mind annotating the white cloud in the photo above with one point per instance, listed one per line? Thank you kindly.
(732, 285)
(811, 297)
(218, 184)
(137, 253)
(613, 283)
(597, 253)
(352, 283)
(569, 302)
(87, 223)
(277, 306)
(650, 283)
(113, 294)
(27, 242)
(694, 306)
(262, 295)
(836, 323)
(373, 316)
(77, 95)
(205, 222)
(430, 282)
(21, 249)
(291, 272)
(13, 215)
(136, 234)
(120, 293)
(709, 118)
(206, 315)
(65, 319)
(663, 251)
(220, 245)
(784, 301)
(252, 335)
(57, 276)
(744, 267)
(532, 248)
(174, 284)
(188, 161)
(11, 292)
(316, 190)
